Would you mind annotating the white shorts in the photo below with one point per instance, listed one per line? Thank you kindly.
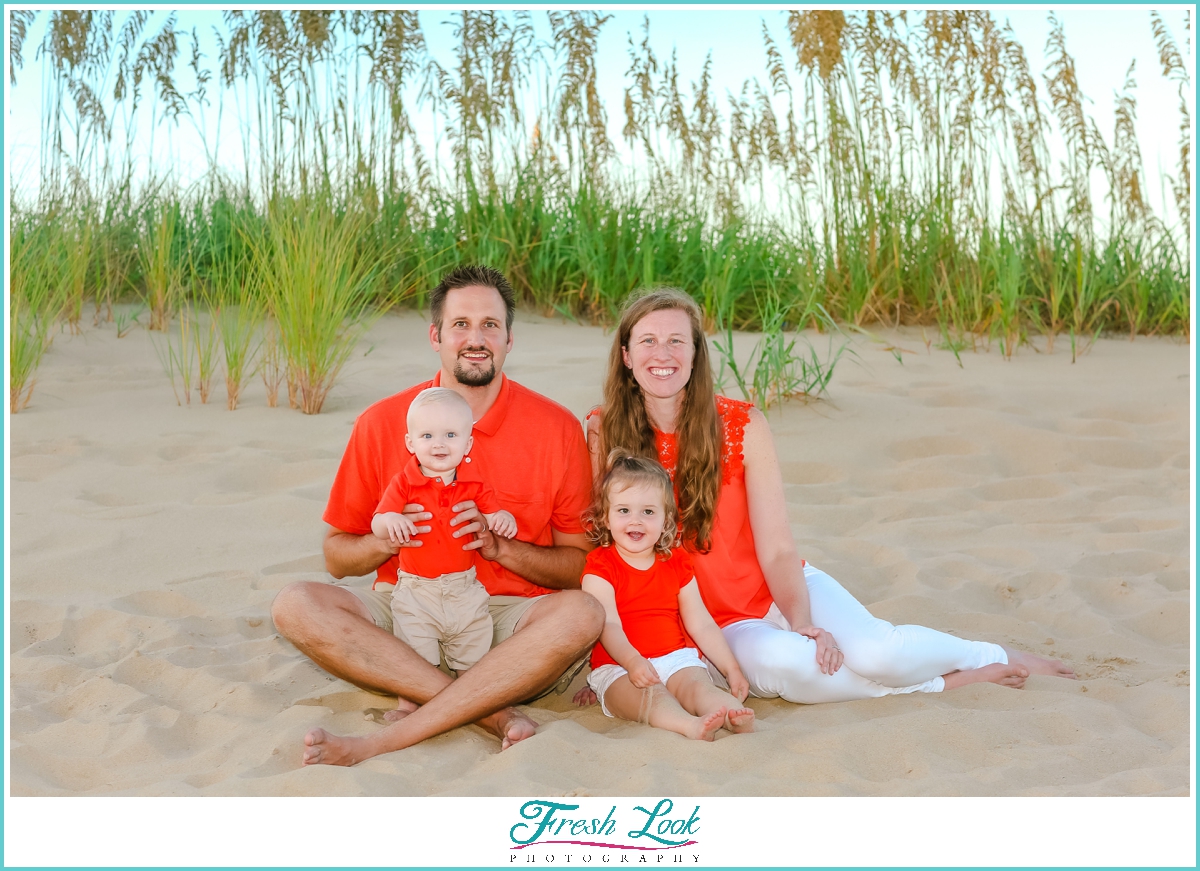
(602, 678)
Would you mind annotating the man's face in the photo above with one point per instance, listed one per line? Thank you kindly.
(474, 339)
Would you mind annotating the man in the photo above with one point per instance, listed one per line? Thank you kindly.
(532, 452)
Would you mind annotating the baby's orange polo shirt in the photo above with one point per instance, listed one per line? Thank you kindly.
(440, 552)
(530, 449)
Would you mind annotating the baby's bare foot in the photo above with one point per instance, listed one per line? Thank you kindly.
(706, 728)
(739, 720)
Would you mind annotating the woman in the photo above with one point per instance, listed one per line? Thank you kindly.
(795, 631)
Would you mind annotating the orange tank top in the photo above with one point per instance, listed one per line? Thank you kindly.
(730, 580)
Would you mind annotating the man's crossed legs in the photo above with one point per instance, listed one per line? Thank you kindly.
(335, 629)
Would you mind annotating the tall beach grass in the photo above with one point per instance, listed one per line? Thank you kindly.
(889, 169)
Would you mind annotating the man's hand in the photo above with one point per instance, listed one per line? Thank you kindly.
(642, 674)
(829, 655)
(471, 522)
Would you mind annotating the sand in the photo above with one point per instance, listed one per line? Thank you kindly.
(1034, 502)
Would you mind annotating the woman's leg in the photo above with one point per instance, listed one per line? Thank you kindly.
(894, 656)
(779, 663)
(655, 705)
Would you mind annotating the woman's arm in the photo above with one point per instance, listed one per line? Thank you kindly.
(705, 632)
(641, 672)
(777, 557)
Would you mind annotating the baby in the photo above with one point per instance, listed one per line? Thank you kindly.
(646, 666)
(439, 609)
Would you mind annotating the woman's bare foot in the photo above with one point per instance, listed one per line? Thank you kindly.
(739, 720)
(1039, 664)
(706, 728)
(1005, 674)
(322, 748)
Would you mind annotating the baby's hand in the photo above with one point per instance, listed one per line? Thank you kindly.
(502, 523)
(643, 675)
(394, 527)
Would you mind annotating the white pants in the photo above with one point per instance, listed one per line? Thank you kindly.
(880, 659)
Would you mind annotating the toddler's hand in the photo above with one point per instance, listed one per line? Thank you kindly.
(396, 528)
(739, 687)
(502, 523)
(643, 675)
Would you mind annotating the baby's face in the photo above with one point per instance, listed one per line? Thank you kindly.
(440, 435)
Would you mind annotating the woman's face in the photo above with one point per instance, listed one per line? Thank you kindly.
(660, 352)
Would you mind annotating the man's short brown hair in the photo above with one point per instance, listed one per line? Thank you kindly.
(473, 276)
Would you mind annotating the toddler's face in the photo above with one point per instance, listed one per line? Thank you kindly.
(636, 516)
(440, 435)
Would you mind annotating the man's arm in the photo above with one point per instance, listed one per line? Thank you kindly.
(556, 567)
(358, 555)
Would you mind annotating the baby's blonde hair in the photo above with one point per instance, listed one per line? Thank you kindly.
(623, 470)
(438, 396)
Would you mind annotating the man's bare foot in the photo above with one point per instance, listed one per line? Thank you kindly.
(403, 708)
(706, 728)
(1004, 674)
(512, 727)
(1039, 664)
(739, 720)
(322, 748)
(584, 697)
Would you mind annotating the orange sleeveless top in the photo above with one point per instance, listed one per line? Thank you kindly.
(730, 580)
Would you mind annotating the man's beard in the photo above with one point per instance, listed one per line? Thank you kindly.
(475, 377)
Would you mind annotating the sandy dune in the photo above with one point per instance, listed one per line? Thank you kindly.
(1033, 502)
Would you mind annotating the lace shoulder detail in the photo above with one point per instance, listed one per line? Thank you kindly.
(734, 416)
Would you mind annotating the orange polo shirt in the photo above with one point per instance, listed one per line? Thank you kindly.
(440, 552)
(530, 447)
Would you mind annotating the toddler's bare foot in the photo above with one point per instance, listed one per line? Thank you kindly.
(1039, 664)
(323, 748)
(739, 720)
(1006, 675)
(706, 728)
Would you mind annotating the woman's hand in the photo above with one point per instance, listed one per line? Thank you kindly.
(829, 655)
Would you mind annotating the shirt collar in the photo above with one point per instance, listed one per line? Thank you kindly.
(414, 477)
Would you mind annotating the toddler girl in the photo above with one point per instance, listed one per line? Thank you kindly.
(646, 666)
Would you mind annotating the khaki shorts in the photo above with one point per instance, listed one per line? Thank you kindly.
(443, 617)
(506, 612)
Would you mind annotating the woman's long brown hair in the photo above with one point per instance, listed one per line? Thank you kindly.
(698, 431)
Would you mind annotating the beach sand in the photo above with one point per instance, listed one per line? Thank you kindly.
(1032, 502)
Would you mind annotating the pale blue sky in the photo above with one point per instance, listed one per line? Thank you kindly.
(1102, 39)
